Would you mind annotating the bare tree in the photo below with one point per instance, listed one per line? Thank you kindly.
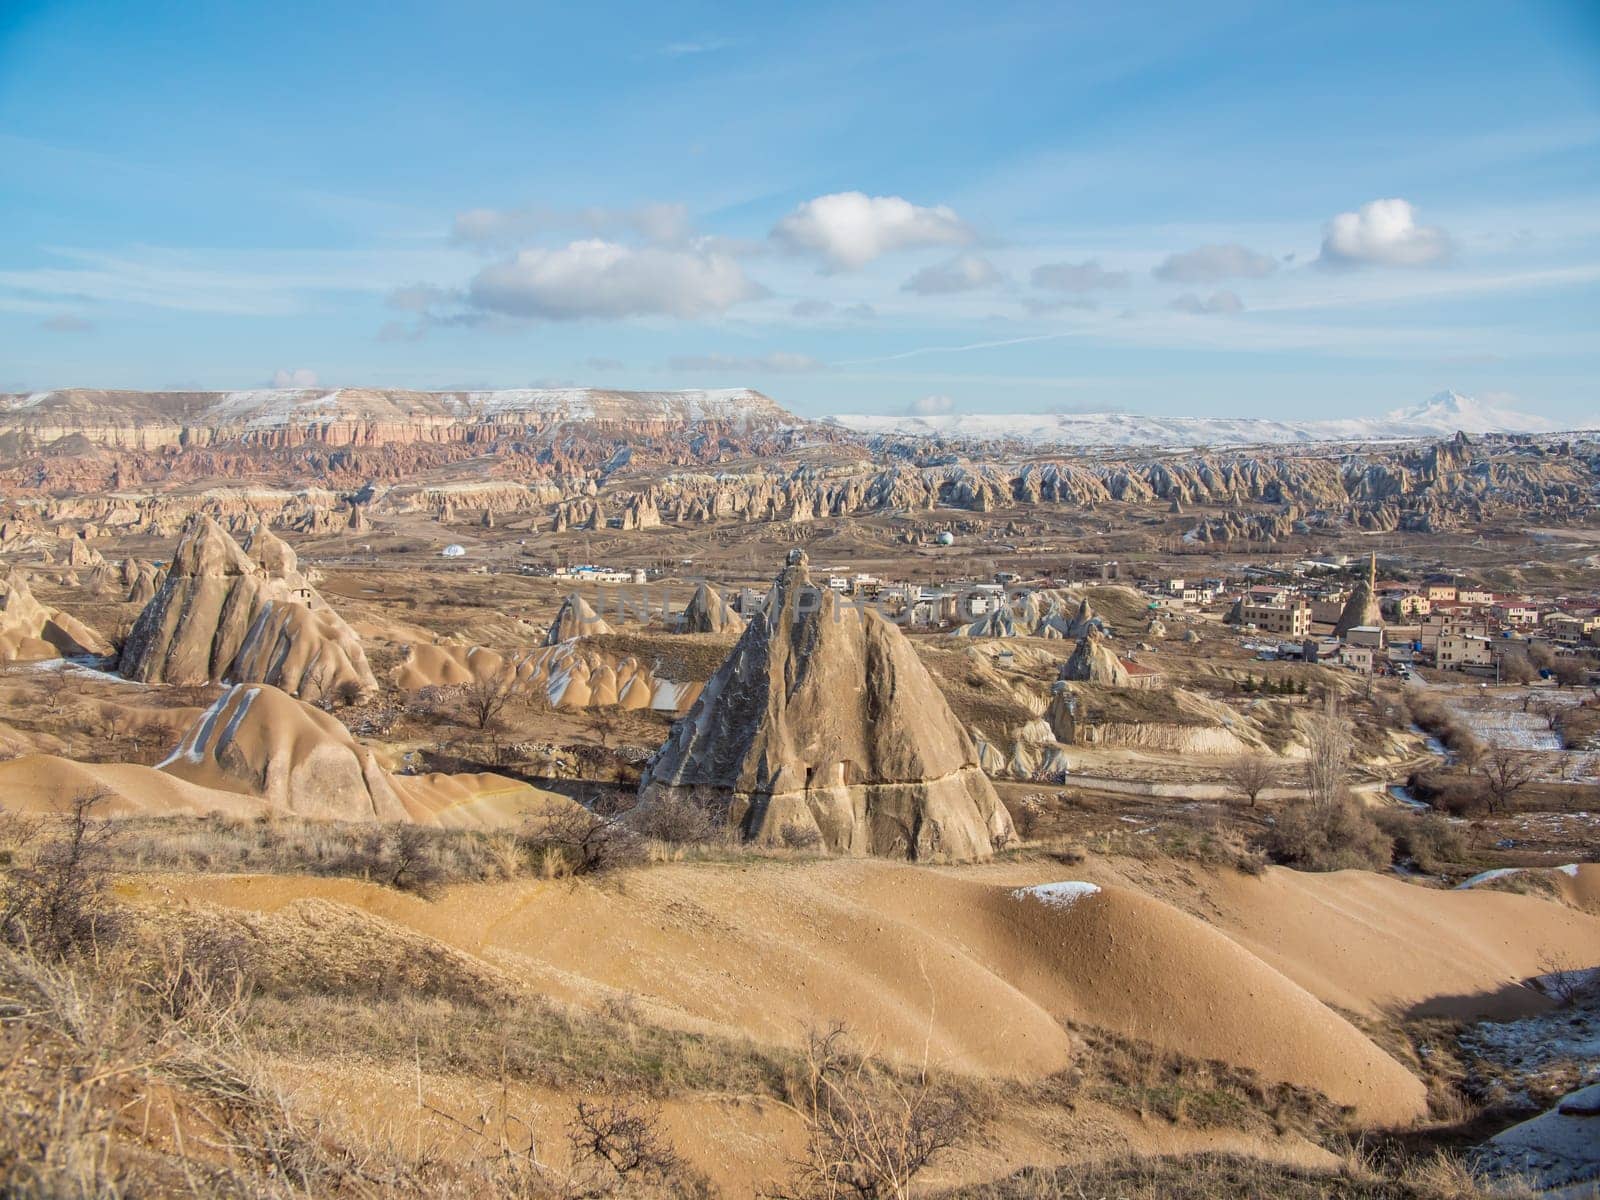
(1251, 774)
(1504, 773)
(1327, 755)
(617, 1148)
(1547, 711)
(486, 698)
(53, 688)
(1563, 979)
(1570, 672)
(606, 721)
(869, 1134)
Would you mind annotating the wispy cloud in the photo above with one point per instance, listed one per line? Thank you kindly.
(780, 362)
(694, 46)
(66, 323)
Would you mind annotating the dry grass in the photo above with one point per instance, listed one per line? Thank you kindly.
(1214, 843)
(1162, 1085)
(413, 858)
(120, 1084)
(1227, 1177)
(532, 1041)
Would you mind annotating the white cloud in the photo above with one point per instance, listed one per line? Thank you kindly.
(658, 224)
(964, 273)
(1087, 276)
(779, 361)
(1222, 301)
(596, 278)
(295, 377)
(930, 406)
(850, 229)
(1209, 264)
(1382, 233)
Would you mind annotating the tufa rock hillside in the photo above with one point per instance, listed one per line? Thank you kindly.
(226, 614)
(824, 723)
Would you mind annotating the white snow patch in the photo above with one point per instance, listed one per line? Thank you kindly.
(1486, 876)
(1501, 872)
(1058, 895)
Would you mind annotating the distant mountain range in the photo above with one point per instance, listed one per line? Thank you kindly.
(1441, 416)
(378, 416)
(372, 416)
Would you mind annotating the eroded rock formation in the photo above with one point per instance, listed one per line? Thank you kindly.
(226, 614)
(824, 722)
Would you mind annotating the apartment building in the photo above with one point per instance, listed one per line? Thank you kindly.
(1460, 650)
(1289, 618)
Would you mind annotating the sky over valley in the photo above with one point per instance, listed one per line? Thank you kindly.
(1229, 209)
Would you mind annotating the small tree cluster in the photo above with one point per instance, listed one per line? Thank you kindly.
(1267, 686)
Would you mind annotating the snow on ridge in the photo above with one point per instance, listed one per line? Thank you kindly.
(1441, 416)
(1058, 895)
(266, 408)
(272, 407)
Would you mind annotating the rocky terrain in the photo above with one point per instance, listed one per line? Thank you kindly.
(586, 460)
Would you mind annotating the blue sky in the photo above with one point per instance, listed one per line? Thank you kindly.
(1223, 208)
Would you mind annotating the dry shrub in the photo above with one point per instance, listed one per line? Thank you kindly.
(1427, 839)
(1213, 843)
(1336, 836)
(110, 1091)
(58, 903)
(869, 1134)
(794, 836)
(1451, 792)
(413, 858)
(420, 859)
(673, 818)
(1225, 1177)
(588, 843)
(618, 1149)
(1431, 715)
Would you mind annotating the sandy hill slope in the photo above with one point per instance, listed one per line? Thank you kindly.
(260, 752)
(1375, 944)
(48, 783)
(824, 719)
(258, 740)
(954, 965)
(31, 631)
(237, 614)
(264, 743)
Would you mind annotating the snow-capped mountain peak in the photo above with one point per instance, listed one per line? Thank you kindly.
(1450, 411)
